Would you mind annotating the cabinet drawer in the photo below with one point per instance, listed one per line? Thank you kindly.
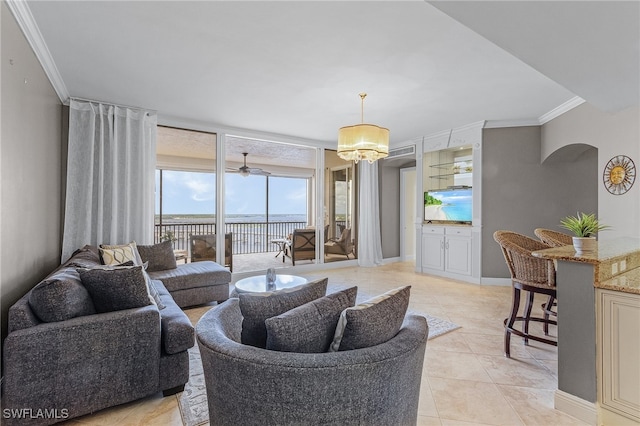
(439, 230)
(463, 232)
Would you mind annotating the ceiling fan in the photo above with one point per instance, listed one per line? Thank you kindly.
(246, 171)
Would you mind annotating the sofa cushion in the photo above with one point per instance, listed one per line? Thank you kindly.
(257, 307)
(153, 289)
(192, 275)
(160, 256)
(309, 328)
(117, 254)
(372, 322)
(61, 296)
(177, 332)
(117, 288)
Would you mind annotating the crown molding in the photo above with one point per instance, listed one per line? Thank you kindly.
(27, 24)
(561, 109)
(493, 124)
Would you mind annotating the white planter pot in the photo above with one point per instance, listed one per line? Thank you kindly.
(584, 244)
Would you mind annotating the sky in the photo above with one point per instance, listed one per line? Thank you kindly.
(195, 193)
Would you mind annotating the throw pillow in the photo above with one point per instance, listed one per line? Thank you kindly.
(60, 297)
(309, 328)
(116, 289)
(160, 256)
(257, 307)
(372, 322)
(118, 254)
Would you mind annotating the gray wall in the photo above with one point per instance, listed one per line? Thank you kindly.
(30, 169)
(389, 187)
(612, 133)
(520, 194)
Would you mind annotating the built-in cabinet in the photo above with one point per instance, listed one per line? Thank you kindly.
(618, 346)
(448, 241)
(446, 249)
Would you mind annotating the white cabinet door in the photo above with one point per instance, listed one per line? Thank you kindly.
(433, 251)
(458, 255)
(619, 343)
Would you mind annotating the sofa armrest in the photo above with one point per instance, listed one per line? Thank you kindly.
(84, 364)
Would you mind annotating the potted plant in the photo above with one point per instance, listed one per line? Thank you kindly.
(583, 227)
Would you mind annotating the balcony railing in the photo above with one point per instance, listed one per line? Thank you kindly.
(248, 237)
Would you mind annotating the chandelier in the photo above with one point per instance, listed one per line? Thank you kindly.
(363, 141)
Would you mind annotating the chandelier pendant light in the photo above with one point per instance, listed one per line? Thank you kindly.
(363, 141)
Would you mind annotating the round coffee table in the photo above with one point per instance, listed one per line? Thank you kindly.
(258, 283)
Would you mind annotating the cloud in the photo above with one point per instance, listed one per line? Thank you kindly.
(201, 187)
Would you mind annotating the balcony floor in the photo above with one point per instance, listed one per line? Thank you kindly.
(264, 261)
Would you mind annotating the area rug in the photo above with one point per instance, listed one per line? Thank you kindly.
(193, 401)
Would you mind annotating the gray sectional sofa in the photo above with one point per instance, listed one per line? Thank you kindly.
(64, 356)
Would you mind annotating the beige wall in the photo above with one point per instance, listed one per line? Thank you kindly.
(613, 134)
(30, 169)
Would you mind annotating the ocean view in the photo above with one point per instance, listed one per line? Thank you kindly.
(232, 218)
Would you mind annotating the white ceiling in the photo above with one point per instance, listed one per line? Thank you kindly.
(296, 68)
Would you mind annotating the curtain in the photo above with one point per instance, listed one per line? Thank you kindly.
(110, 176)
(369, 239)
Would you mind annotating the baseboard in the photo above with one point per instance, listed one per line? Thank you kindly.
(576, 407)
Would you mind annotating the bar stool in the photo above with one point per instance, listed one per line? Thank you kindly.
(553, 239)
(530, 274)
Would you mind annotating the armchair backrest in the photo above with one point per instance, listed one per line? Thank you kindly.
(203, 247)
(303, 244)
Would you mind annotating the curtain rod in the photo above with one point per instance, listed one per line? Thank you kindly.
(75, 98)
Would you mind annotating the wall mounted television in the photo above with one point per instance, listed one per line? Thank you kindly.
(452, 205)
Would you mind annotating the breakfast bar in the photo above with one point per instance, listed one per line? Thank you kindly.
(599, 331)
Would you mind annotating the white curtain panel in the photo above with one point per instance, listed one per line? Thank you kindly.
(369, 239)
(110, 176)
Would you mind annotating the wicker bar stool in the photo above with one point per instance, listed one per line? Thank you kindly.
(553, 239)
(530, 274)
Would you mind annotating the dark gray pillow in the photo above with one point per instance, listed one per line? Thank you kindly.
(160, 256)
(116, 289)
(309, 328)
(257, 307)
(60, 297)
(372, 322)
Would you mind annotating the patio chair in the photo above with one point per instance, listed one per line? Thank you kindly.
(203, 247)
(302, 245)
(530, 274)
(342, 245)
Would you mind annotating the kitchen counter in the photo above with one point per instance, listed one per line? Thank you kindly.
(603, 312)
(616, 263)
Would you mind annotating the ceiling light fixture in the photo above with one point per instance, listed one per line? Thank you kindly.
(363, 141)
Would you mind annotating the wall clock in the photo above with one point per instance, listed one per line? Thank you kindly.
(619, 174)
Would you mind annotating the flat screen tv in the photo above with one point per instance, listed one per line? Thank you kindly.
(448, 206)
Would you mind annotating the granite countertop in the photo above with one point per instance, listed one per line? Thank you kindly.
(607, 251)
(616, 262)
(628, 282)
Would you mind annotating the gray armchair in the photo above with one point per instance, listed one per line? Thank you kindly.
(246, 385)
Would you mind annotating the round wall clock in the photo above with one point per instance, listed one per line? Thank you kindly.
(619, 174)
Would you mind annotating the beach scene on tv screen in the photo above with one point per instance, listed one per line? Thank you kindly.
(448, 205)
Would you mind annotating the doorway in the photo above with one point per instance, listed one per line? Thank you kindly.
(408, 214)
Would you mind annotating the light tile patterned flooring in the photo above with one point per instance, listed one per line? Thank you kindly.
(466, 379)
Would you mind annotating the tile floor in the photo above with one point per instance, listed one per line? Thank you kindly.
(466, 379)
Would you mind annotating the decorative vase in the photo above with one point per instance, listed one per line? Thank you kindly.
(584, 244)
(271, 279)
